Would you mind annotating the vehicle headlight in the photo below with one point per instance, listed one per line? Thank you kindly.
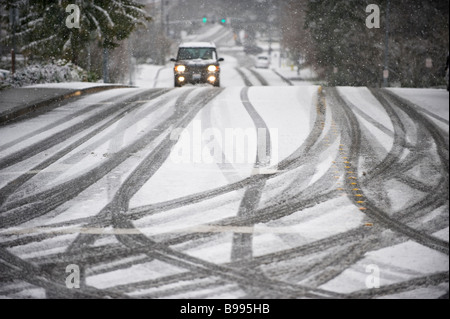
(212, 68)
(180, 68)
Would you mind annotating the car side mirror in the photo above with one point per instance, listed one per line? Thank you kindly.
(221, 60)
(173, 60)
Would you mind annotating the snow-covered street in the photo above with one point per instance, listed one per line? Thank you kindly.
(263, 188)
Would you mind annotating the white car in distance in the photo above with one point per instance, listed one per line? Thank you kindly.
(262, 61)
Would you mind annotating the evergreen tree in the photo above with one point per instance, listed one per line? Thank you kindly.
(295, 37)
(42, 29)
(419, 31)
(349, 53)
(346, 50)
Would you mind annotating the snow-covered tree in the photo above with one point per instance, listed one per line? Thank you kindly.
(42, 29)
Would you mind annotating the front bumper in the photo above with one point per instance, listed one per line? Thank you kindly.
(196, 76)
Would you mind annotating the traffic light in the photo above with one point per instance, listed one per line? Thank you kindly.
(205, 19)
(223, 21)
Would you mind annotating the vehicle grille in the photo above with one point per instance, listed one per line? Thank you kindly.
(197, 69)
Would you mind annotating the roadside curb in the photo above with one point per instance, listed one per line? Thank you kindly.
(32, 106)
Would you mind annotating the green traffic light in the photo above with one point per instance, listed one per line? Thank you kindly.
(223, 20)
(205, 19)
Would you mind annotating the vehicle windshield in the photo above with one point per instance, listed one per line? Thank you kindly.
(196, 53)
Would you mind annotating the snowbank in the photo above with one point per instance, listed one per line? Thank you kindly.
(56, 72)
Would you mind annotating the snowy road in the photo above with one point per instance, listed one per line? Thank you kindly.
(264, 188)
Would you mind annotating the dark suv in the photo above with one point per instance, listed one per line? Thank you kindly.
(197, 62)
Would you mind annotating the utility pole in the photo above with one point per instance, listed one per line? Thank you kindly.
(386, 49)
(1, 47)
(13, 12)
(162, 44)
(280, 27)
(105, 66)
(131, 61)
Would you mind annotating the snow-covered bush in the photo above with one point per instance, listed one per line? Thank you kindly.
(58, 71)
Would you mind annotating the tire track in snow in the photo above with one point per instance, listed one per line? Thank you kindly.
(41, 203)
(63, 134)
(119, 205)
(119, 196)
(298, 158)
(372, 210)
(246, 80)
(18, 269)
(271, 283)
(289, 82)
(119, 220)
(13, 185)
(242, 243)
(64, 119)
(258, 75)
